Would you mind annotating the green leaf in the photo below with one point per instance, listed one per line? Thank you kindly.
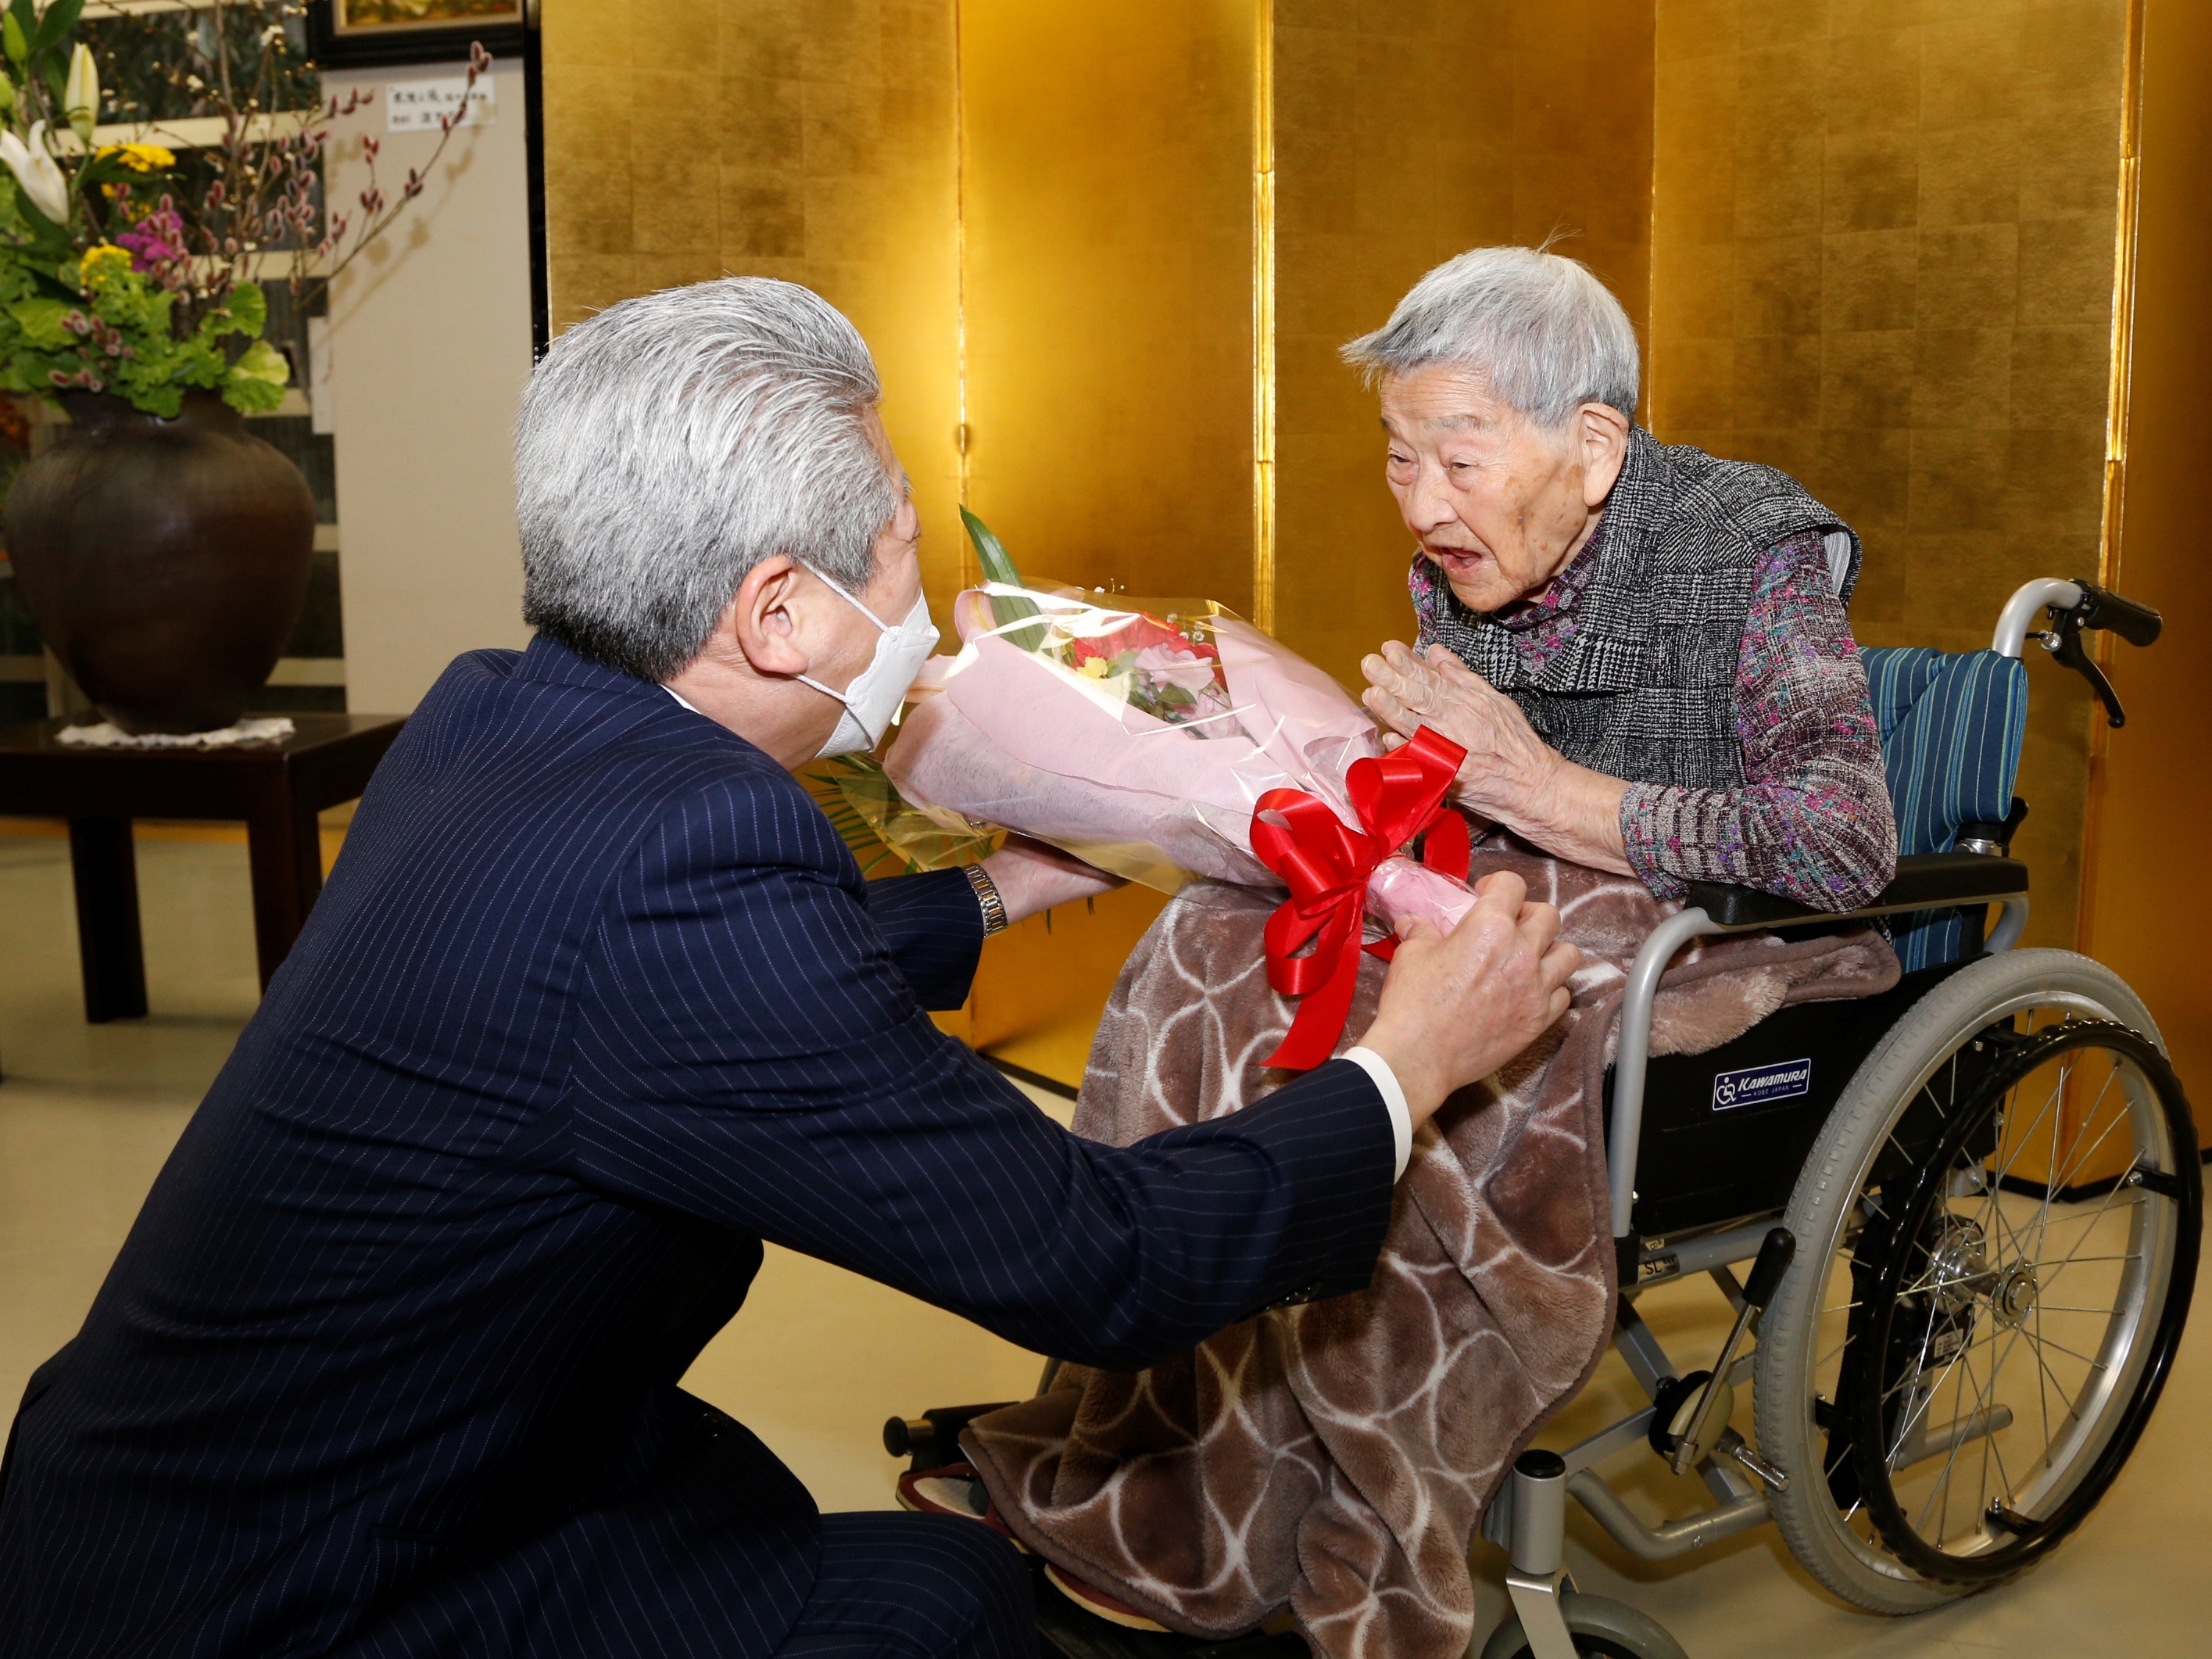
(997, 566)
(41, 323)
(50, 242)
(262, 366)
(252, 397)
(54, 27)
(248, 307)
(57, 80)
(11, 34)
(165, 400)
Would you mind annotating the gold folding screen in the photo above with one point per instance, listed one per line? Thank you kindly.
(1883, 261)
(811, 140)
(1105, 253)
(1404, 135)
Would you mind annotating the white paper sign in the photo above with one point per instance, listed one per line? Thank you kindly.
(419, 105)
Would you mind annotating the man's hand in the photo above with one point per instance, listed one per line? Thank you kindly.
(1032, 876)
(1455, 1008)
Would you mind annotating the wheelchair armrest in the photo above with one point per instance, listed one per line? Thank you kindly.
(1923, 881)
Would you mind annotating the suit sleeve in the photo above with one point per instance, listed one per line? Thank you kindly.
(748, 1053)
(932, 927)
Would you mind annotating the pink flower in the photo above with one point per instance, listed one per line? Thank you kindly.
(156, 240)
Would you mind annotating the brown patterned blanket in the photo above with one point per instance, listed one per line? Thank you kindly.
(1335, 1459)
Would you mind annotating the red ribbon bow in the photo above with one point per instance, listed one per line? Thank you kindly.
(1327, 863)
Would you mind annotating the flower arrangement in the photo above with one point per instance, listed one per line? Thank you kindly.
(122, 272)
(1168, 665)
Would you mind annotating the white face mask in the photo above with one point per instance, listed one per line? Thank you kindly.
(877, 691)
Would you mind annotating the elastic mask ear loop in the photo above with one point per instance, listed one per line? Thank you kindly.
(882, 627)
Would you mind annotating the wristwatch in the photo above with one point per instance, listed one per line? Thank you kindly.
(987, 895)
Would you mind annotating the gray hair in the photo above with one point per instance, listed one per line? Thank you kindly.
(1543, 332)
(671, 443)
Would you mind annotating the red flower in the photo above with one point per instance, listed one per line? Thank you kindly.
(1141, 631)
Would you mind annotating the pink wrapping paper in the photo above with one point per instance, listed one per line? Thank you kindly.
(1015, 739)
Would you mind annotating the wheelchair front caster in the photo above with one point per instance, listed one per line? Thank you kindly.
(1599, 1626)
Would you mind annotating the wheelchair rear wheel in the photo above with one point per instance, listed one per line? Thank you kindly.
(1997, 1239)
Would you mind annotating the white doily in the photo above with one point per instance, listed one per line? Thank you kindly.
(108, 735)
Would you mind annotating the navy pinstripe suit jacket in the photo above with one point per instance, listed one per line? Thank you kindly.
(595, 1001)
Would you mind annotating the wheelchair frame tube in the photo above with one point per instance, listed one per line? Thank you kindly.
(1634, 1050)
(2019, 612)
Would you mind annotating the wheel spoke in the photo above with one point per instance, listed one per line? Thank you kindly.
(2025, 1135)
(2057, 1120)
(2074, 1254)
(2084, 1159)
(2094, 1364)
(2042, 1389)
(1989, 1447)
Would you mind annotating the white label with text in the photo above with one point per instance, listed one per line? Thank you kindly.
(419, 105)
(1757, 1086)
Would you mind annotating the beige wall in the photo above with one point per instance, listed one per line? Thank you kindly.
(1404, 135)
(1882, 250)
(429, 353)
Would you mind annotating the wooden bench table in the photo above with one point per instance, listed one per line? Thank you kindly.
(275, 787)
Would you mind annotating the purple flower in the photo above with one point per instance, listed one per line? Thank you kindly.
(156, 240)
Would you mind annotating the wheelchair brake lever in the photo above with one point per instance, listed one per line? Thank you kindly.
(1697, 1418)
(2065, 644)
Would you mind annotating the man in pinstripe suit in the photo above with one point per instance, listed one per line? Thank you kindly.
(594, 1003)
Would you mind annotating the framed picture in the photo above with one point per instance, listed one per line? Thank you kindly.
(346, 33)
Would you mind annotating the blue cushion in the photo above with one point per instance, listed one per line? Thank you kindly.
(1952, 724)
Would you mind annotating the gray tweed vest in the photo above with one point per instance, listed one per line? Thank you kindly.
(1646, 688)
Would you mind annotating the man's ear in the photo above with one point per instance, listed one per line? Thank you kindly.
(1601, 433)
(759, 624)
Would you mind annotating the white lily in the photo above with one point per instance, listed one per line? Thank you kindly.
(36, 172)
(81, 94)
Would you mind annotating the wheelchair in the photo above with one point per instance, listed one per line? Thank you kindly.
(1972, 1206)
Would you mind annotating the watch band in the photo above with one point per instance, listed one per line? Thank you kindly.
(987, 895)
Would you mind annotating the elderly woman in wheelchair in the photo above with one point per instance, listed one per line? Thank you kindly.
(1971, 1204)
(1974, 1202)
(1643, 649)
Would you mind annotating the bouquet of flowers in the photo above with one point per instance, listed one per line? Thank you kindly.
(1169, 738)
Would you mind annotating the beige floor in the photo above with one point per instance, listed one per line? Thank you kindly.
(818, 1358)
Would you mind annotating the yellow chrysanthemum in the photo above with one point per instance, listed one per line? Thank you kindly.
(103, 262)
(140, 158)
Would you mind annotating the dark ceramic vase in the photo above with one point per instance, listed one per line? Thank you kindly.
(164, 561)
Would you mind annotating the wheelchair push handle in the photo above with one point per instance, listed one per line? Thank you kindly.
(2136, 624)
(2075, 608)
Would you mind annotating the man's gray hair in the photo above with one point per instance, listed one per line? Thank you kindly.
(1545, 334)
(671, 443)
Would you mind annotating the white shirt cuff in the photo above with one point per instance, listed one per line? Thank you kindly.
(1393, 1101)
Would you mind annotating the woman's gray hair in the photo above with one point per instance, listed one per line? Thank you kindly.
(671, 443)
(1545, 334)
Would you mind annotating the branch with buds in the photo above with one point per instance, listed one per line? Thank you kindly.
(266, 196)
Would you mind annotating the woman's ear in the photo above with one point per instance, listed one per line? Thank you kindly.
(760, 623)
(1601, 431)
